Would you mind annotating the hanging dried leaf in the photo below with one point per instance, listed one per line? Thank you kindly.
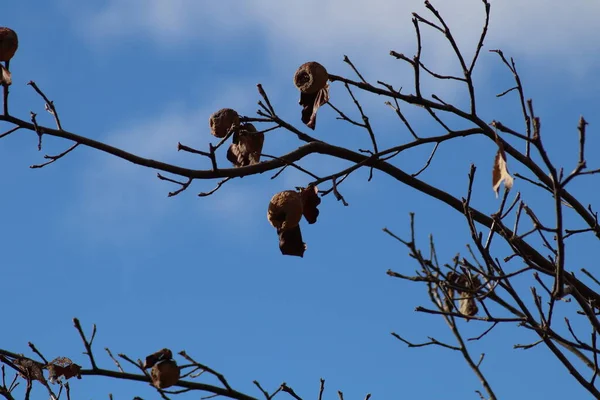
(9, 42)
(310, 202)
(500, 171)
(62, 367)
(285, 210)
(246, 147)
(290, 242)
(311, 79)
(163, 354)
(30, 370)
(222, 121)
(165, 374)
(467, 306)
(5, 76)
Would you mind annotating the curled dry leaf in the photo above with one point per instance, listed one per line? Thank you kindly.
(62, 367)
(165, 374)
(285, 210)
(30, 370)
(467, 304)
(311, 79)
(500, 171)
(152, 359)
(222, 121)
(5, 76)
(310, 202)
(9, 42)
(290, 242)
(246, 147)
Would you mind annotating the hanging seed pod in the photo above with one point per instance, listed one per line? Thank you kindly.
(221, 122)
(246, 147)
(9, 42)
(311, 77)
(311, 80)
(285, 210)
(165, 374)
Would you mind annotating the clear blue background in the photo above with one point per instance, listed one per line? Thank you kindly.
(95, 237)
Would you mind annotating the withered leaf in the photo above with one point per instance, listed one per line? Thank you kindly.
(152, 359)
(468, 305)
(285, 209)
(62, 366)
(30, 369)
(165, 374)
(290, 242)
(310, 202)
(310, 103)
(5, 76)
(500, 171)
(246, 147)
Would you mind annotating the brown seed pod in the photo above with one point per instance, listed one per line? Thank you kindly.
(311, 77)
(163, 354)
(246, 147)
(285, 210)
(222, 121)
(165, 374)
(9, 42)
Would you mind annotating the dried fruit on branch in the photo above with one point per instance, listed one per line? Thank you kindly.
(62, 367)
(223, 121)
(310, 202)
(290, 242)
(500, 171)
(246, 147)
(29, 369)
(311, 79)
(285, 210)
(165, 372)
(9, 42)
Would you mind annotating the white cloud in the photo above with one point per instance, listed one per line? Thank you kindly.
(326, 30)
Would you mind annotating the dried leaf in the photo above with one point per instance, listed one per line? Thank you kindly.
(468, 306)
(310, 202)
(290, 242)
(500, 171)
(246, 147)
(30, 369)
(310, 105)
(62, 366)
(5, 76)
(152, 359)
(165, 374)
(9, 42)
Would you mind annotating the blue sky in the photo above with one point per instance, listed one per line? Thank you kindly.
(97, 238)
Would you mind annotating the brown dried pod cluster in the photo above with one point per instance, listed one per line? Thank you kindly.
(165, 372)
(62, 367)
(285, 212)
(9, 43)
(311, 79)
(246, 147)
(466, 299)
(222, 121)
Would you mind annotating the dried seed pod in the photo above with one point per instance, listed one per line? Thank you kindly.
(290, 242)
(311, 80)
(221, 122)
(246, 147)
(9, 42)
(165, 374)
(285, 210)
(311, 77)
(62, 367)
(310, 202)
